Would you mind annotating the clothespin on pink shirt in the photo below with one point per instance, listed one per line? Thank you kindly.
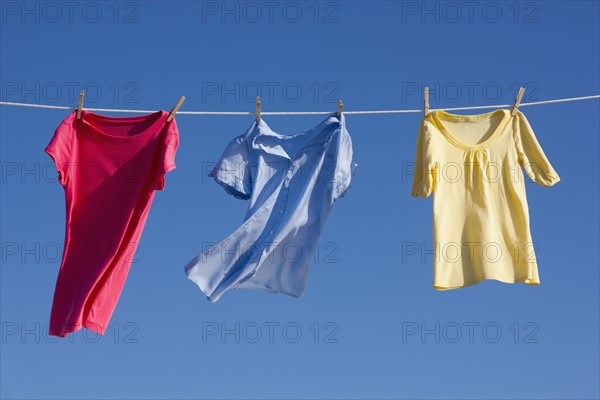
(518, 100)
(257, 108)
(340, 107)
(425, 101)
(176, 108)
(80, 104)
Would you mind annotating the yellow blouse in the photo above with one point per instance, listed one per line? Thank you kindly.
(472, 164)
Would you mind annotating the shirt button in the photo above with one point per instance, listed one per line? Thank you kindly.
(281, 211)
(270, 233)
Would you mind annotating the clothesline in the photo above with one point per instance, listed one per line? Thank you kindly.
(533, 103)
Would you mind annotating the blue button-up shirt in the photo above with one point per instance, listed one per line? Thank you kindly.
(292, 183)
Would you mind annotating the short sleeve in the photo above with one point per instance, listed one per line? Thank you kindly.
(232, 171)
(530, 153)
(60, 148)
(169, 149)
(425, 167)
(345, 167)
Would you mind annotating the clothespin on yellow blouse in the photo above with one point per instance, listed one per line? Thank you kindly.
(518, 100)
(175, 108)
(425, 101)
(80, 104)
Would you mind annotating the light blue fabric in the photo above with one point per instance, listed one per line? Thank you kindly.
(292, 183)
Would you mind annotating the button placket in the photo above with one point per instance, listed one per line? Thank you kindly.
(283, 202)
(290, 173)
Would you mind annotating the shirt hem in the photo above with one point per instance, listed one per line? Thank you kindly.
(530, 282)
(65, 329)
(211, 297)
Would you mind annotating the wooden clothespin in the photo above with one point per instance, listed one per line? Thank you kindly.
(175, 108)
(340, 107)
(426, 101)
(80, 104)
(518, 100)
(257, 108)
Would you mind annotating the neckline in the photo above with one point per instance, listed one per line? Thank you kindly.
(158, 116)
(263, 129)
(435, 116)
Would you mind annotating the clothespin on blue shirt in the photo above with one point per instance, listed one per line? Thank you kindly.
(80, 104)
(426, 101)
(175, 108)
(518, 100)
(257, 108)
(340, 106)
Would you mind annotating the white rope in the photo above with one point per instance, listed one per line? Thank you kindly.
(533, 103)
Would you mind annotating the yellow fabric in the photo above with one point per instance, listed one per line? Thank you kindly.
(474, 167)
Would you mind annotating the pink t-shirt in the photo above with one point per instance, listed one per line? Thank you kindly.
(109, 168)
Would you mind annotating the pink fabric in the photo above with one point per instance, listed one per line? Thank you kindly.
(109, 168)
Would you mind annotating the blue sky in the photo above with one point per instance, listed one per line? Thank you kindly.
(349, 336)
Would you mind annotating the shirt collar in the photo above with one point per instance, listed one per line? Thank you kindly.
(270, 141)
